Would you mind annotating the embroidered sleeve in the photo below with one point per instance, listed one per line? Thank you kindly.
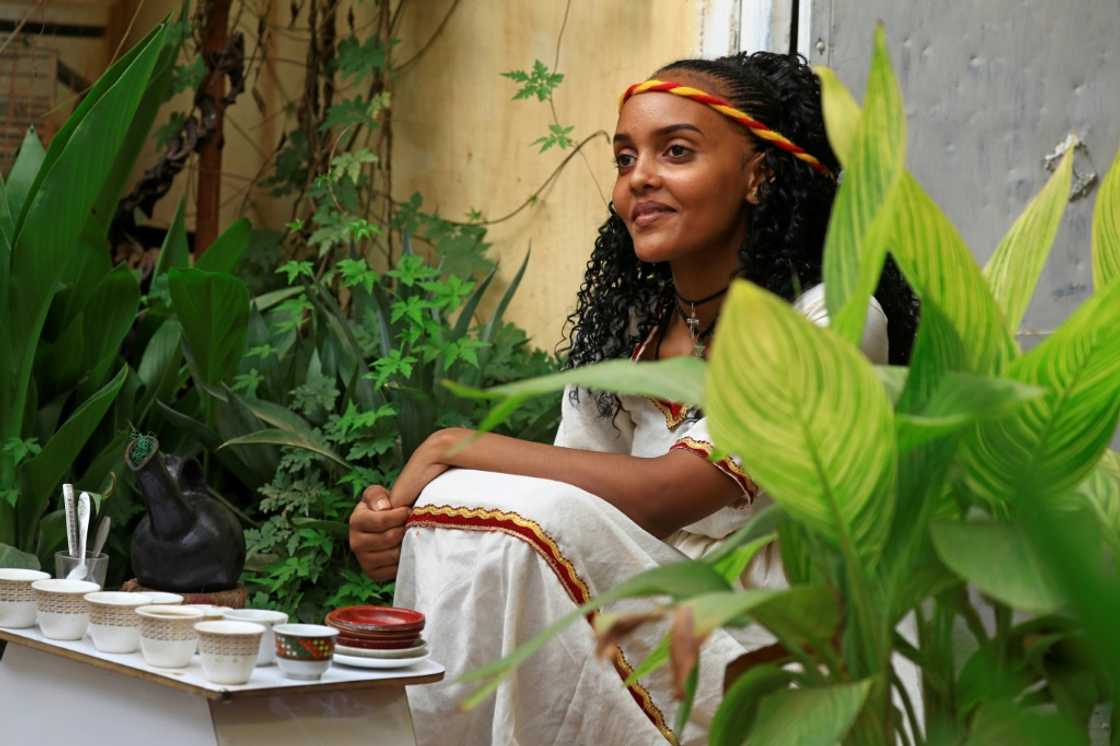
(697, 440)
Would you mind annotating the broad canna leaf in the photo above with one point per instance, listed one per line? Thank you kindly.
(1005, 722)
(1013, 271)
(26, 166)
(855, 244)
(1101, 491)
(1058, 438)
(213, 310)
(811, 423)
(802, 613)
(159, 366)
(959, 401)
(739, 707)
(999, 560)
(44, 472)
(679, 379)
(819, 716)
(935, 260)
(1106, 229)
(224, 254)
(176, 250)
(277, 437)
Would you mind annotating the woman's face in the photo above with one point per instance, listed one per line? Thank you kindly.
(685, 174)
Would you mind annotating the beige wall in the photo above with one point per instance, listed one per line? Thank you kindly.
(458, 138)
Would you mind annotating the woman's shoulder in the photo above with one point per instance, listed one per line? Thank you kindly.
(874, 344)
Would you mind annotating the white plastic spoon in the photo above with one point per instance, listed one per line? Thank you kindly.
(80, 572)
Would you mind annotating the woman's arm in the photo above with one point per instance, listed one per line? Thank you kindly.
(660, 494)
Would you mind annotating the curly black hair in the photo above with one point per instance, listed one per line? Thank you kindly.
(622, 298)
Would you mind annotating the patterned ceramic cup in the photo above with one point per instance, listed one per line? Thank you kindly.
(228, 650)
(63, 609)
(266, 618)
(17, 599)
(167, 634)
(304, 651)
(113, 623)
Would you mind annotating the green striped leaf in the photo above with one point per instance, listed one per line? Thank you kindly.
(934, 258)
(1106, 229)
(809, 717)
(1013, 271)
(1057, 439)
(811, 423)
(939, 266)
(855, 244)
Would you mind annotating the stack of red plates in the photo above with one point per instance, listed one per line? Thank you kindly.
(377, 627)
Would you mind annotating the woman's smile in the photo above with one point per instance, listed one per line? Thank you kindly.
(649, 212)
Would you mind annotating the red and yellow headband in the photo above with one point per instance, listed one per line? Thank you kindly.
(724, 107)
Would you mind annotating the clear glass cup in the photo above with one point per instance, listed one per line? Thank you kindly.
(96, 565)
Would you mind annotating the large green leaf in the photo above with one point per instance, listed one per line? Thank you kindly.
(279, 437)
(999, 560)
(73, 173)
(12, 557)
(855, 244)
(679, 379)
(1014, 268)
(224, 254)
(176, 250)
(108, 317)
(1101, 491)
(930, 252)
(1003, 722)
(1106, 229)
(808, 717)
(159, 365)
(959, 401)
(811, 423)
(46, 470)
(737, 711)
(22, 176)
(213, 309)
(1055, 439)
(155, 94)
(803, 613)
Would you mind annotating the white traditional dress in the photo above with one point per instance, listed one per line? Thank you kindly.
(492, 559)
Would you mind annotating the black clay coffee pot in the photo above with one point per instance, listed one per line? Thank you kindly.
(188, 541)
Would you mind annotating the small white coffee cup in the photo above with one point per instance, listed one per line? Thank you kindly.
(63, 609)
(267, 619)
(167, 634)
(228, 650)
(113, 623)
(17, 598)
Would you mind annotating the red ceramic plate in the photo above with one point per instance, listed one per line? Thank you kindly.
(376, 618)
(355, 642)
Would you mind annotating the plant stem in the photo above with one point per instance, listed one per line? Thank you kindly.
(908, 706)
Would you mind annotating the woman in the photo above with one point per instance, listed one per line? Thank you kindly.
(724, 170)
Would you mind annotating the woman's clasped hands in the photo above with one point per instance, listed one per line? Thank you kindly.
(377, 523)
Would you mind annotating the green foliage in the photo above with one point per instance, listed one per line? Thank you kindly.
(361, 376)
(975, 483)
(538, 81)
(557, 135)
(63, 310)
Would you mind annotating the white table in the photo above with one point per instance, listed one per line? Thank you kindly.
(55, 693)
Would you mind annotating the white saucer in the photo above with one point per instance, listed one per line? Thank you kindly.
(356, 662)
(413, 652)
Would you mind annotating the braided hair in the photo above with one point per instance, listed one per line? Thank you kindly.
(622, 298)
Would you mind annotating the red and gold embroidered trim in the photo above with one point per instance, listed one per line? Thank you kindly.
(673, 413)
(726, 464)
(512, 524)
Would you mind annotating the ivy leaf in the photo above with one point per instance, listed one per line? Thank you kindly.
(540, 82)
(557, 135)
(188, 77)
(293, 270)
(349, 113)
(357, 272)
(357, 60)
